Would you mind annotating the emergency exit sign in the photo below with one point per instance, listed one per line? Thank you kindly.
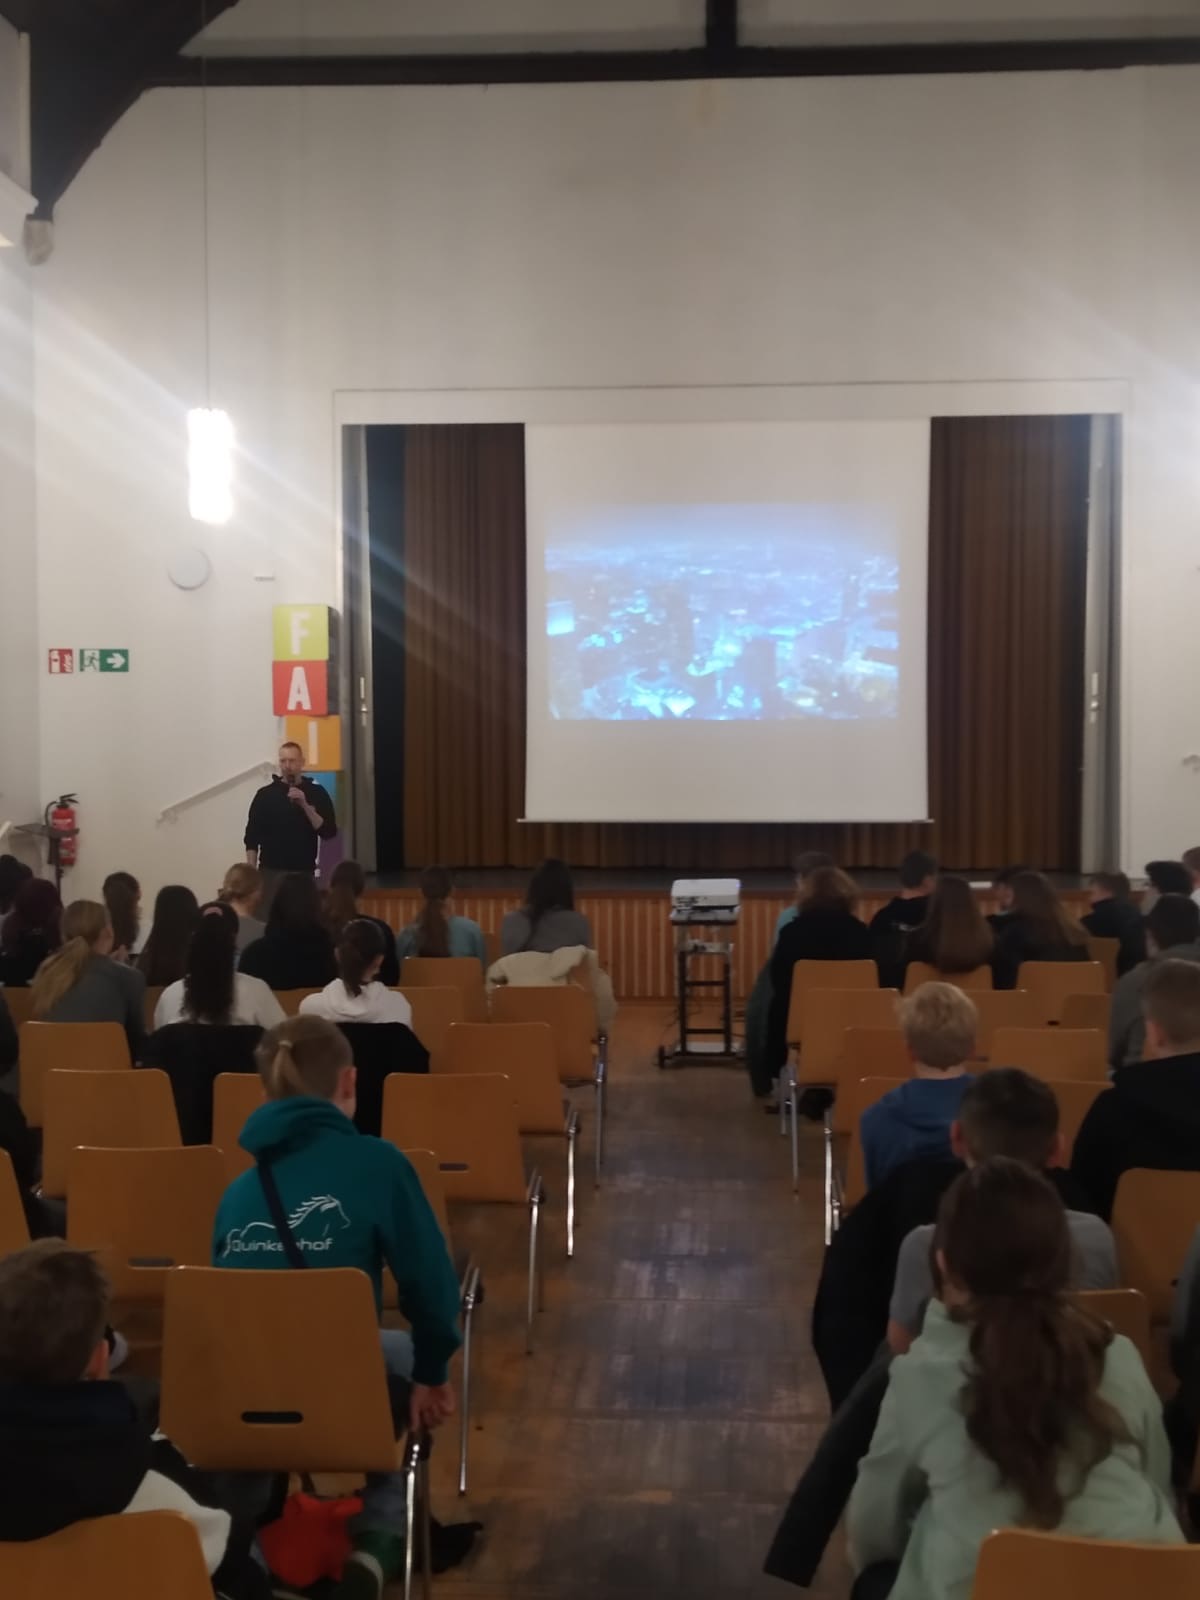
(104, 661)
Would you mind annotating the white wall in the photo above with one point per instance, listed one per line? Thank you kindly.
(19, 682)
(868, 232)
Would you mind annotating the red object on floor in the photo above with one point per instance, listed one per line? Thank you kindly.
(311, 1540)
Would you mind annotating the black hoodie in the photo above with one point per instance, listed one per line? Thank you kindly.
(1149, 1118)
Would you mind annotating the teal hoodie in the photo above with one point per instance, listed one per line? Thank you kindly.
(351, 1201)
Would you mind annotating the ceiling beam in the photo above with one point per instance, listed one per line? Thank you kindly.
(643, 66)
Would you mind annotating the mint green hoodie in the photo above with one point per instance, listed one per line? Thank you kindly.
(351, 1201)
(928, 1498)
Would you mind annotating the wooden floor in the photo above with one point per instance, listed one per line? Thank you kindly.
(650, 1443)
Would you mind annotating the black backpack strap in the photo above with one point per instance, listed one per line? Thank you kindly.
(270, 1189)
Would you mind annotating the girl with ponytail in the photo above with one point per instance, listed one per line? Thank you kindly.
(211, 990)
(81, 982)
(1014, 1407)
(346, 888)
(436, 931)
(341, 1198)
(356, 994)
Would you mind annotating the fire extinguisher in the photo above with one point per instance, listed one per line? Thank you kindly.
(62, 833)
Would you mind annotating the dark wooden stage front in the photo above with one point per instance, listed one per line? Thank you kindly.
(629, 914)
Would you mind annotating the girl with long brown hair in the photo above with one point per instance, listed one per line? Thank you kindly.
(437, 931)
(346, 888)
(1037, 928)
(826, 928)
(81, 982)
(1014, 1407)
(955, 936)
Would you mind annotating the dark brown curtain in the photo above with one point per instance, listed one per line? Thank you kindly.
(1007, 569)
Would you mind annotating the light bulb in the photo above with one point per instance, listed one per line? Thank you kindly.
(210, 465)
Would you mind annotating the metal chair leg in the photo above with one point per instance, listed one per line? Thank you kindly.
(535, 1197)
(416, 1513)
(572, 1139)
(794, 1111)
(412, 1450)
(601, 1081)
(468, 1317)
(423, 1497)
(828, 1181)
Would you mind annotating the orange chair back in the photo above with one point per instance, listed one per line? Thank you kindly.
(140, 1557)
(858, 1097)
(571, 1014)
(1106, 952)
(434, 1013)
(1050, 982)
(524, 1053)
(425, 1164)
(1016, 1561)
(145, 1212)
(289, 999)
(920, 972)
(810, 975)
(828, 1013)
(70, 1047)
(243, 1388)
(449, 972)
(116, 1110)
(1056, 1054)
(1001, 1008)
(1126, 1311)
(235, 1096)
(1075, 1100)
(14, 1228)
(1087, 1011)
(471, 1122)
(1154, 1217)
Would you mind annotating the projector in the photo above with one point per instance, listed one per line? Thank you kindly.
(705, 899)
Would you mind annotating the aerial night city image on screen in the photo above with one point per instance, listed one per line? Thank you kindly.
(723, 613)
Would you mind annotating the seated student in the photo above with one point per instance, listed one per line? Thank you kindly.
(304, 1143)
(807, 862)
(72, 1445)
(1002, 889)
(212, 990)
(1115, 916)
(296, 952)
(1013, 1409)
(242, 890)
(1004, 1112)
(1165, 877)
(356, 994)
(436, 932)
(1172, 933)
(825, 928)
(346, 889)
(13, 874)
(1151, 1115)
(32, 931)
(123, 898)
(81, 982)
(548, 921)
(955, 936)
(893, 923)
(1191, 860)
(938, 1022)
(163, 960)
(1038, 928)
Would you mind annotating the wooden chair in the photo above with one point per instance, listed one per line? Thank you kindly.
(20, 1004)
(290, 999)
(470, 1288)
(1087, 1011)
(150, 1005)
(524, 1053)
(1107, 952)
(1154, 1217)
(810, 975)
(232, 1403)
(1075, 1100)
(449, 972)
(434, 1013)
(857, 1096)
(828, 1013)
(1058, 1054)
(1050, 982)
(1002, 1008)
(1044, 1566)
(145, 1212)
(1126, 1311)
(920, 972)
(146, 1556)
(471, 1121)
(71, 1046)
(235, 1096)
(14, 1227)
(582, 1053)
(115, 1110)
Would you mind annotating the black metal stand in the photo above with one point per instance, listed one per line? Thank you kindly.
(690, 1051)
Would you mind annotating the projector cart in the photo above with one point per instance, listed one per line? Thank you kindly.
(696, 1045)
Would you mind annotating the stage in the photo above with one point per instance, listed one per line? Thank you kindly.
(629, 914)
